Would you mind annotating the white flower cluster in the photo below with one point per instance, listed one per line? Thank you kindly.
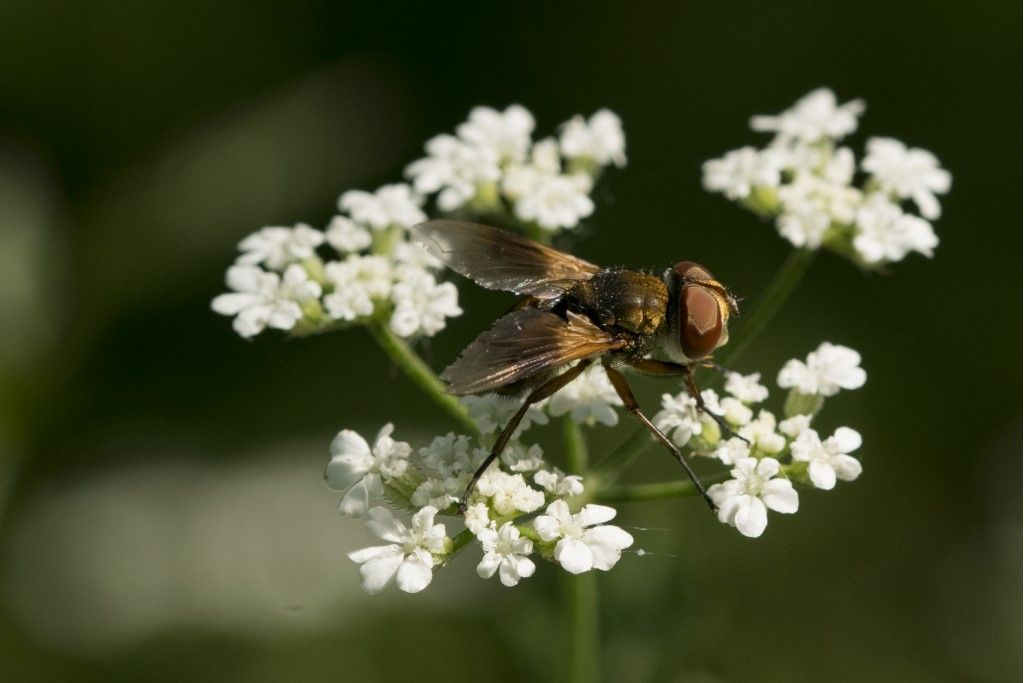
(285, 279)
(493, 165)
(433, 479)
(809, 183)
(767, 455)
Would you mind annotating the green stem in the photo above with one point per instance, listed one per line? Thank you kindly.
(653, 491)
(767, 305)
(418, 371)
(576, 451)
(579, 593)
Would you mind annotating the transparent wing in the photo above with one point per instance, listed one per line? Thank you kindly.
(496, 259)
(522, 344)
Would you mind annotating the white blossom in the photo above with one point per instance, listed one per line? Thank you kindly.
(409, 559)
(793, 426)
(359, 471)
(810, 204)
(439, 493)
(346, 236)
(737, 173)
(590, 398)
(506, 134)
(761, 434)
(584, 542)
(541, 193)
(422, 304)
(263, 299)
(477, 518)
(276, 247)
(885, 233)
(395, 204)
(732, 450)
(558, 484)
(747, 388)
(455, 169)
(357, 283)
(744, 500)
(679, 418)
(413, 256)
(735, 412)
(509, 493)
(814, 117)
(448, 456)
(505, 552)
(599, 138)
(827, 370)
(520, 458)
(829, 459)
(491, 412)
(907, 173)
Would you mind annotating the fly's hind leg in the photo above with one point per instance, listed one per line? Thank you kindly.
(539, 394)
(660, 368)
(630, 402)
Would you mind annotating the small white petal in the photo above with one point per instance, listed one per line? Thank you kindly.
(574, 556)
(822, 475)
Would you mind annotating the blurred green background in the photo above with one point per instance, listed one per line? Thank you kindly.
(163, 512)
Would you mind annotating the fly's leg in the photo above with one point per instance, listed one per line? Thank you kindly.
(630, 402)
(660, 368)
(539, 394)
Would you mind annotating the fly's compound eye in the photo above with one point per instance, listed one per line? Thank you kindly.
(700, 321)
(688, 270)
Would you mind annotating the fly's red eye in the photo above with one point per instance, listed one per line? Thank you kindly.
(692, 271)
(700, 321)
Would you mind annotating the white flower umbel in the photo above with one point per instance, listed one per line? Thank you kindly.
(263, 299)
(276, 247)
(506, 134)
(491, 412)
(390, 205)
(827, 370)
(455, 169)
(346, 236)
(361, 472)
(357, 283)
(410, 558)
(582, 541)
(886, 234)
(509, 493)
(744, 500)
(761, 434)
(808, 183)
(448, 455)
(737, 173)
(507, 553)
(747, 388)
(422, 304)
(907, 173)
(679, 418)
(589, 399)
(542, 194)
(829, 459)
(599, 139)
(814, 117)
(559, 484)
(477, 518)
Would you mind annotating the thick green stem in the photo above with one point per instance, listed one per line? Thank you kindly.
(579, 593)
(767, 305)
(418, 371)
(654, 491)
(576, 451)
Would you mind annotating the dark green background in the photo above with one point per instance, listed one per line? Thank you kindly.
(163, 513)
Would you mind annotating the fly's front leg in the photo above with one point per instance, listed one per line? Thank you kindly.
(691, 386)
(539, 394)
(630, 402)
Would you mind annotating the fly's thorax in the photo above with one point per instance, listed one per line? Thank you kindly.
(628, 299)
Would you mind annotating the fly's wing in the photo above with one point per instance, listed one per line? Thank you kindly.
(522, 344)
(496, 259)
